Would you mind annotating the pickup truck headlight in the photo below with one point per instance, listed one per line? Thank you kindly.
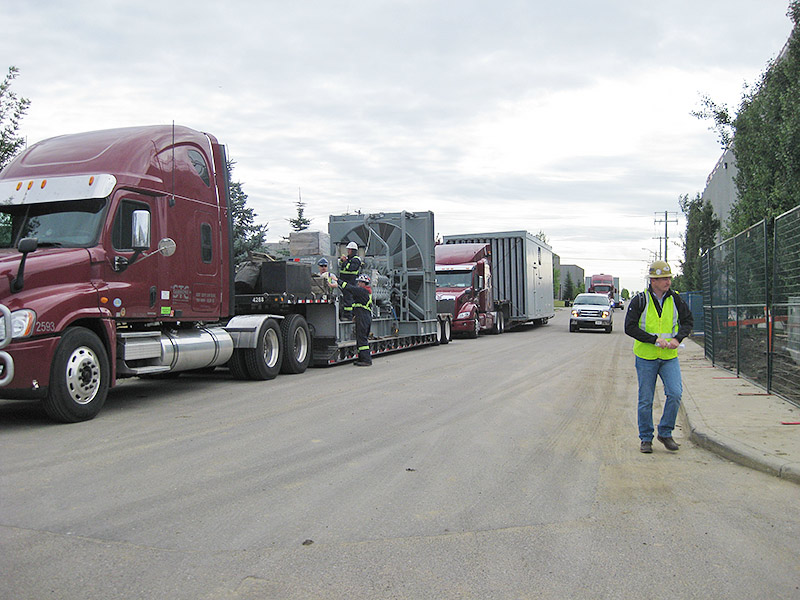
(605, 314)
(463, 315)
(576, 313)
(22, 322)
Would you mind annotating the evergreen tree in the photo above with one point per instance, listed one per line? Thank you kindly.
(247, 236)
(569, 287)
(300, 222)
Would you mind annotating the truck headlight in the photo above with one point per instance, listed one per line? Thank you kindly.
(576, 313)
(22, 322)
(463, 315)
(605, 314)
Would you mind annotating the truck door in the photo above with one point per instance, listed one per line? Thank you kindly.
(131, 276)
(191, 285)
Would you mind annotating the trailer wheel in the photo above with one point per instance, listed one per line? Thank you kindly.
(296, 344)
(79, 377)
(445, 331)
(476, 329)
(264, 361)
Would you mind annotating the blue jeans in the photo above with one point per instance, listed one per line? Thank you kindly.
(670, 373)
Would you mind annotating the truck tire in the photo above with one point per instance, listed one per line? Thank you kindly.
(609, 329)
(79, 377)
(499, 323)
(445, 331)
(264, 361)
(476, 329)
(238, 366)
(296, 344)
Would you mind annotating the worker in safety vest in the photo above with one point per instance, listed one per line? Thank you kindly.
(362, 315)
(349, 267)
(658, 320)
(330, 279)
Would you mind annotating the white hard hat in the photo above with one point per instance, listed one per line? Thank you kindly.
(352, 246)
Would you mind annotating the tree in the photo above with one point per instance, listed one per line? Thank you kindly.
(767, 145)
(765, 138)
(247, 236)
(720, 115)
(556, 281)
(12, 109)
(300, 222)
(701, 230)
(626, 295)
(569, 287)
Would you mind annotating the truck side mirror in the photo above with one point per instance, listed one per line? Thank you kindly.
(26, 246)
(140, 230)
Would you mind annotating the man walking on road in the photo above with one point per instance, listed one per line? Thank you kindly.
(658, 319)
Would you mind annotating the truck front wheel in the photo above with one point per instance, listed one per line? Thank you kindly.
(475, 329)
(79, 377)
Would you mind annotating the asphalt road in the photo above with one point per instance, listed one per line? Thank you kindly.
(503, 467)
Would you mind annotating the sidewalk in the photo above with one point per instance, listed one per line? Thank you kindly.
(737, 419)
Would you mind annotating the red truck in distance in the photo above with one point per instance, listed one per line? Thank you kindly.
(603, 284)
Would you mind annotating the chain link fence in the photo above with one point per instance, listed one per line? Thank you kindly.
(751, 305)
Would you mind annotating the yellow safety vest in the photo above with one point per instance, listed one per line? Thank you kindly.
(665, 326)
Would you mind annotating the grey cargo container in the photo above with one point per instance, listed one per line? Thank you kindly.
(522, 274)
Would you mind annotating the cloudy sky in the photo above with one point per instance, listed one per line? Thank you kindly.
(571, 118)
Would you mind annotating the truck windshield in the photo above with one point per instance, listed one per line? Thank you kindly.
(72, 224)
(602, 289)
(453, 279)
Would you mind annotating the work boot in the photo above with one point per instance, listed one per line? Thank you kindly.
(669, 443)
(646, 448)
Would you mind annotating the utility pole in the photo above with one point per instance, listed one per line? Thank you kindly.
(666, 221)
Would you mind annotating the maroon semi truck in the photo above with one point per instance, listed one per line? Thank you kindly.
(464, 288)
(494, 281)
(116, 261)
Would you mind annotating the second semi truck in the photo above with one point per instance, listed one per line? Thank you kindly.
(494, 281)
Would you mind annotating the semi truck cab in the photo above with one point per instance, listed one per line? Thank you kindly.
(464, 287)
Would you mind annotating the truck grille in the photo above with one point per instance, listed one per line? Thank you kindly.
(446, 306)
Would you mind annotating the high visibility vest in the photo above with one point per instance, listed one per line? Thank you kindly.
(349, 268)
(367, 306)
(665, 326)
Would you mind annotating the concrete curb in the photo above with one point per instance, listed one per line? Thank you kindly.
(734, 450)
